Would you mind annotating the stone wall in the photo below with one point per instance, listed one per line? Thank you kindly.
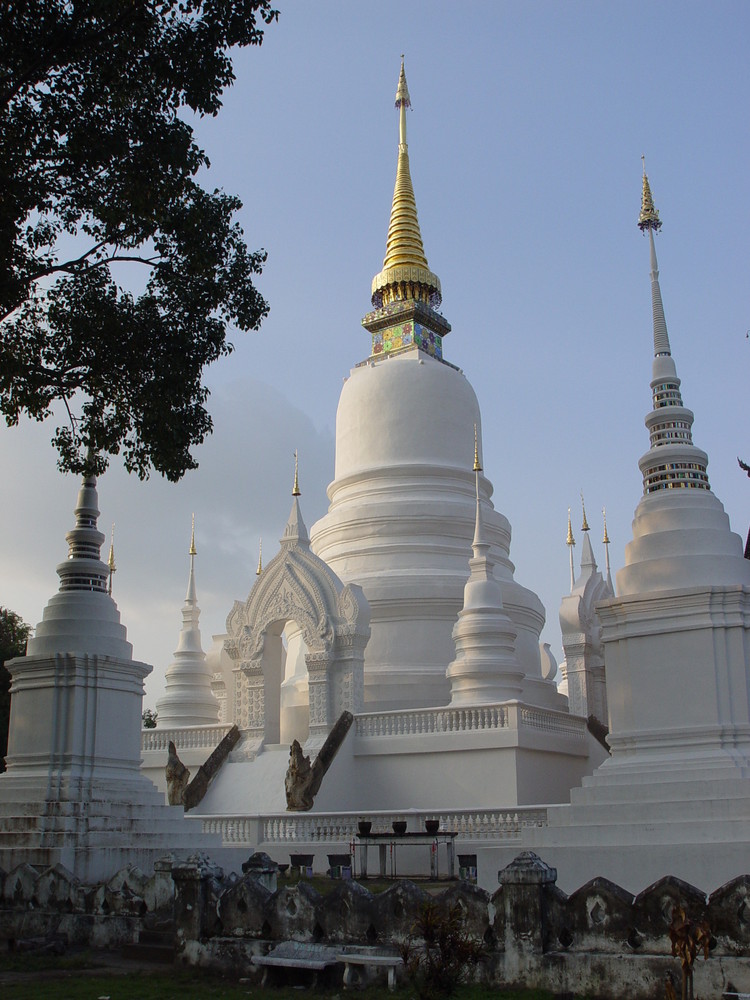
(600, 940)
(51, 908)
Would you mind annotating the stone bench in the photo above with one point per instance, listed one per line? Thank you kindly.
(314, 958)
(371, 961)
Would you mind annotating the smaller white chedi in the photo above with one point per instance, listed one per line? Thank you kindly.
(73, 792)
(188, 699)
(675, 794)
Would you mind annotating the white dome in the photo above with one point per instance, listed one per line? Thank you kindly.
(407, 409)
(401, 520)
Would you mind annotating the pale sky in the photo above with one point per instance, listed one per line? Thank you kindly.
(525, 139)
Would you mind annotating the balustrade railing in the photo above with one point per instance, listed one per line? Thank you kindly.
(411, 722)
(184, 737)
(503, 825)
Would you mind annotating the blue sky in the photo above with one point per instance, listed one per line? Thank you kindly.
(528, 123)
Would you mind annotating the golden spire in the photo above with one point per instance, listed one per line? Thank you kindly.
(605, 540)
(649, 217)
(295, 489)
(477, 463)
(406, 274)
(570, 540)
(585, 525)
(111, 560)
(193, 550)
(259, 570)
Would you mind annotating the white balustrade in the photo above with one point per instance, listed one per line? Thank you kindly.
(411, 722)
(502, 825)
(184, 737)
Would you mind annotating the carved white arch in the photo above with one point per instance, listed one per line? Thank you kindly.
(297, 586)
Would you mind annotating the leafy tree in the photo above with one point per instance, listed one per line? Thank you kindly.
(148, 718)
(98, 170)
(440, 955)
(14, 633)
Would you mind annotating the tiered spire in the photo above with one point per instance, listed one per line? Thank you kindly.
(111, 561)
(486, 668)
(673, 462)
(188, 700)
(84, 569)
(406, 292)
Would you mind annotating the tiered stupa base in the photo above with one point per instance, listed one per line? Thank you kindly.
(95, 835)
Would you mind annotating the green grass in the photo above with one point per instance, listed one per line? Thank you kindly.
(54, 980)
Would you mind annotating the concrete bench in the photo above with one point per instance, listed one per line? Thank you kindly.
(314, 958)
(371, 961)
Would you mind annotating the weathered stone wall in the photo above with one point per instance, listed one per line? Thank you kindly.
(600, 940)
(51, 905)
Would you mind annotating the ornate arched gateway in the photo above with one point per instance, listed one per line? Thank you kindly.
(334, 619)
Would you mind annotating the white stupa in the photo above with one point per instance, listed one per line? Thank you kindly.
(188, 699)
(675, 794)
(389, 612)
(402, 502)
(73, 791)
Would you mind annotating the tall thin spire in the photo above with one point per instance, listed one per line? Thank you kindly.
(477, 463)
(295, 489)
(570, 542)
(405, 293)
(188, 700)
(111, 560)
(673, 462)
(406, 273)
(191, 596)
(605, 541)
(259, 570)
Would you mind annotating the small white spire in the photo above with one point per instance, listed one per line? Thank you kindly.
(188, 699)
(605, 541)
(570, 542)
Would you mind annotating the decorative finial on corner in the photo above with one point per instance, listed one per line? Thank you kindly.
(296, 492)
(477, 464)
(649, 217)
(259, 570)
(111, 560)
(402, 91)
(606, 552)
(570, 540)
(585, 525)
(193, 551)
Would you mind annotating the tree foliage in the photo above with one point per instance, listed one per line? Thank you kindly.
(14, 634)
(440, 955)
(98, 173)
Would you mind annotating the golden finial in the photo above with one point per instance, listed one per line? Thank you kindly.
(585, 525)
(402, 91)
(570, 540)
(111, 560)
(649, 217)
(193, 551)
(477, 464)
(296, 490)
(605, 540)
(406, 274)
(259, 570)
